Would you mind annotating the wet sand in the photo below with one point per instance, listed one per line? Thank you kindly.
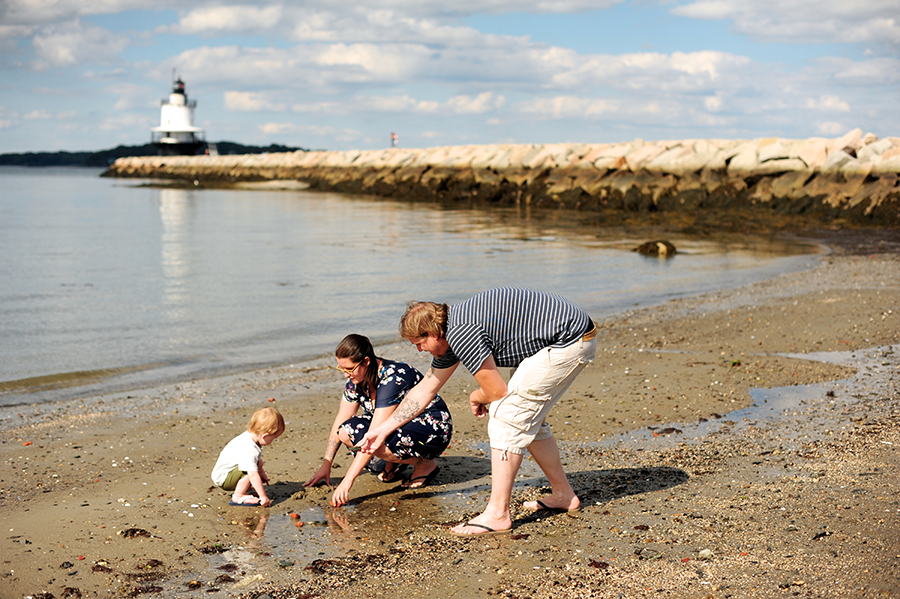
(687, 489)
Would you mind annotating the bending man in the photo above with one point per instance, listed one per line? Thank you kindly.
(547, 338)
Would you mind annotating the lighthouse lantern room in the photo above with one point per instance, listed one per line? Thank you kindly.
(176, 134)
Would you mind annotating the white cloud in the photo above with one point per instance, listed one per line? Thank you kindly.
(8, 118)
(126, 121)
(483, 102)
(872, 72)
(35, 115)
(713, 103)
(366, 62)
(826, 102)
(362, 21)
(295, 131)
(406, 104)
(679, 71)
(251, 102)
(46, 115)
(9, 33)
(567, 107)
(311, 68)
(129, 96)
(403, 103)
(831, 128)
(74, 42)
(29, 12)
(332, 68)
(277, 128)
(211, 20)
(321, 107)
(806, 21)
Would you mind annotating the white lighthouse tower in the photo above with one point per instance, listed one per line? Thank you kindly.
(176, 133)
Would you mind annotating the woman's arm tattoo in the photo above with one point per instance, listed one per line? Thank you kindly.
(332, 448)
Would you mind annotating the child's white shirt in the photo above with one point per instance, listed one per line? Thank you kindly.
(243, 452)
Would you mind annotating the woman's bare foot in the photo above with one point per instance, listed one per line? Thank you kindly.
(422, 474)
(390, 472)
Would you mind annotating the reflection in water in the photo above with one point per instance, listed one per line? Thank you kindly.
(174, 211)
(247, 557)
(338, 517)
(255, 526)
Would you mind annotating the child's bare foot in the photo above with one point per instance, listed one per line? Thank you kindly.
(245, 500)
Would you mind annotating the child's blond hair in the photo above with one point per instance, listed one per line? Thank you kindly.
(266, 421)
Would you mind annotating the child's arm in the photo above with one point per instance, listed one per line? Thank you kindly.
(256, 482)
(262, 472)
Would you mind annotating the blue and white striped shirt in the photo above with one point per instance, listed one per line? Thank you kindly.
(511, 324)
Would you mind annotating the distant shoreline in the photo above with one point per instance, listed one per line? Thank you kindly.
(104, 158)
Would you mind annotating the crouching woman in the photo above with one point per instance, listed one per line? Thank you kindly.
(378, 385)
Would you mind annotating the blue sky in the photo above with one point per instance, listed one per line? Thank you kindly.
(332, 74)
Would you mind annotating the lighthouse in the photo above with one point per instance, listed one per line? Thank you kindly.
(176, 134)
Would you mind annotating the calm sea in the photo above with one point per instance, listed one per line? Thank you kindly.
(109, 284)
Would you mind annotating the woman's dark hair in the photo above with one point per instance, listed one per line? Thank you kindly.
(357, 348)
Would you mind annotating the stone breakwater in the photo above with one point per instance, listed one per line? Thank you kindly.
(853, 179)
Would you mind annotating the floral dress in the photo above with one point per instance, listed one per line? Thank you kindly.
(425, 436)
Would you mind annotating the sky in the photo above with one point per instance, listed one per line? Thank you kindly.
(87, 75)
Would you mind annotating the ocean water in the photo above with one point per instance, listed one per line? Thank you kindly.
(112, 284)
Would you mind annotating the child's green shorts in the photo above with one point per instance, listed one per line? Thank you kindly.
(232, 479)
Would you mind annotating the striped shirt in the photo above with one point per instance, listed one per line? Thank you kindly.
(510, 324)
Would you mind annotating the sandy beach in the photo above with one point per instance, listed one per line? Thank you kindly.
(738, 444)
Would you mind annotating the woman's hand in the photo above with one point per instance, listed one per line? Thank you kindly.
(342, 493)
(323, 474)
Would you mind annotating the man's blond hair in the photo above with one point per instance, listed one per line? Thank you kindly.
(422, 318)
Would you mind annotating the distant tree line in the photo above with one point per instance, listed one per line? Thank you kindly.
(104, 158)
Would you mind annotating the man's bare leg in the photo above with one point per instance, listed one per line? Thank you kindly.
(546, 454)
(496, 516)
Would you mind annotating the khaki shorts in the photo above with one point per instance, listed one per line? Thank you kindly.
(534, 388)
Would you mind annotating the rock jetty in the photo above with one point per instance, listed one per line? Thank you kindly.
(854, 178)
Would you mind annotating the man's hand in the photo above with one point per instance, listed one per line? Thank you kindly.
(373, 440)
(479, 409)
(493, 385)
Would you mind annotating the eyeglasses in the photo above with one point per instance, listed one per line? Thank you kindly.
(348, 370)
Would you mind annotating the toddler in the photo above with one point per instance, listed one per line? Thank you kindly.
(240, 464)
